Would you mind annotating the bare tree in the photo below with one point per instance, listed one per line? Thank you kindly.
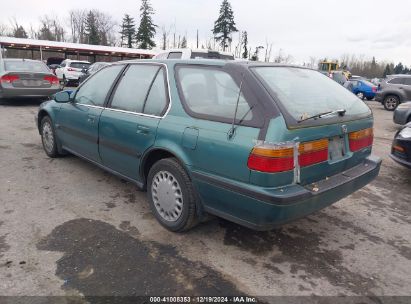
(78, 25)
(4, 30)
(51, 29)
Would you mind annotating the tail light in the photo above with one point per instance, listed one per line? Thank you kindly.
(361, 139)
(272, 158)
(51, 79)
(9, 78)
(313, 152)
(374, 89)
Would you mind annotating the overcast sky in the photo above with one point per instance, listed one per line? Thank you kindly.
(301, 28)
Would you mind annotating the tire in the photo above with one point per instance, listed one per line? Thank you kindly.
(360, 95)
(48, 138)
(391, 102)
(172, 196)
(370, 98)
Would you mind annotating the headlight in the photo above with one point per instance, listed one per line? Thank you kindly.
(406, 105)
(405, 133)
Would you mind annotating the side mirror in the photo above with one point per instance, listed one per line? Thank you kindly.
(62, 97)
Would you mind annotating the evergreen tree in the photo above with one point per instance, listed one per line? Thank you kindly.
(245, 42)
(184, 42)
(224, 25)
(20, 32)
(387, 71)
(92, 32)
(128, 31)
(147, 28)
(398, 68)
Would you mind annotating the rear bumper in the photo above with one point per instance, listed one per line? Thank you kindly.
(401, 161)
(27, 92)
(266, 208)
(401, 116)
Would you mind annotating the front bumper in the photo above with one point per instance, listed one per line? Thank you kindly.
(266, 208)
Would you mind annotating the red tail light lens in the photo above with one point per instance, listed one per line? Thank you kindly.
(361, 139)
(9, 78)
(374, 89)
(271, 159)
(51, 79)
(313, 152)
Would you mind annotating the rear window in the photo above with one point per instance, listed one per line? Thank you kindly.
(305, 93)
(396, 81)
(26, 66)
(79, 65)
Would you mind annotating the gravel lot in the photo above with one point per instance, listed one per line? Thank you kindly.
(69, 228)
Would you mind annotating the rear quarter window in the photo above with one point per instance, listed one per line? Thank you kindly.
(211, 93)
(396, 81)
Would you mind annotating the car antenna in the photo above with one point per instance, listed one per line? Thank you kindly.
(232, 130)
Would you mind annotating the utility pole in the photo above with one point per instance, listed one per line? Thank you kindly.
(197, 39)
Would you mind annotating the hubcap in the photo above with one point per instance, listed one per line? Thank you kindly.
(360, 95)
(167, 196)
(391, 103)
(48, 138)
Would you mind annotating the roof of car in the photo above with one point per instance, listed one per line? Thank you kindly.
(217, 62)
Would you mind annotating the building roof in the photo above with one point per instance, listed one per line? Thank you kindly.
(68, 46)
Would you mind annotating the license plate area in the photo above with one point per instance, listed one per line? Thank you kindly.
(336, 148)
(32, 83)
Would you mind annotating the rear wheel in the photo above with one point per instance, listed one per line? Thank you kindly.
(360, 95)
(370, 98)
(48, 137)
(391, 102)
(172, 196)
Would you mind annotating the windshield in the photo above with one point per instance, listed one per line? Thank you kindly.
(304, 92)
(25, 66)
(79, 65)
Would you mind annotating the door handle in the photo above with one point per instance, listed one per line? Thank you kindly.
(143, 130)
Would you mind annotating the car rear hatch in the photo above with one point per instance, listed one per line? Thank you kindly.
(304, 149)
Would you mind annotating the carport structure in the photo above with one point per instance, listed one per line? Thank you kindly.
(43, 49)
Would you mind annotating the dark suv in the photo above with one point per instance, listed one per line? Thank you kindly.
(394, 90)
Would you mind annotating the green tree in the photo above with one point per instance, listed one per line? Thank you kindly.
(92, 31)
(387, 71)
(128, 31)
(147, 29)
(19, 32)
(399, 68)
(224, 25)
(245, 42)
(184, 42)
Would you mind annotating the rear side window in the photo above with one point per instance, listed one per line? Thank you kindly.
(175, 55)
(396, 81)
(304, 92)
(407, 81)
(94, 91)
(26, 66)
(211, 93)
(141, 90)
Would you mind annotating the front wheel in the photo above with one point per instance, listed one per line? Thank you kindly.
(172, 196)
(391, 102)
(48, 138)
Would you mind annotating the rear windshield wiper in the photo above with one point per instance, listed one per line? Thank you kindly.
(321, 115)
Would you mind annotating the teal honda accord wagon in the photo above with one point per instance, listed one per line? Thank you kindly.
(256, 144)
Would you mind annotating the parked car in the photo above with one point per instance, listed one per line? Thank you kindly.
(364, 89)
(256, 144)
(394, 90)
(26, 78)
(402, 115)
(53, 63)
(194, 54)
(70, 71)
(95, 67)
(401, 147)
